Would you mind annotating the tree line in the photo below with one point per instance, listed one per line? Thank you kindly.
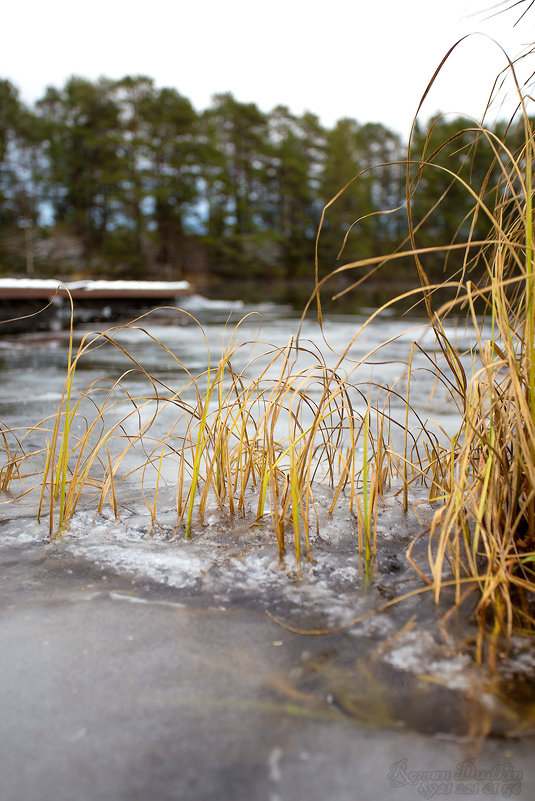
(125, 179)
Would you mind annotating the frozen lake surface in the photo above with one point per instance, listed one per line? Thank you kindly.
(383, 664)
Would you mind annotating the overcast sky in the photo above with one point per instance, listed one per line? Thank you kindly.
(367, 59)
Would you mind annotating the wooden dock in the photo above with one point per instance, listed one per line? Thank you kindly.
(29, 304)
(28, 289)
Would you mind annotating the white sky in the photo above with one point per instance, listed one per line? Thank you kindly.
(367, 59)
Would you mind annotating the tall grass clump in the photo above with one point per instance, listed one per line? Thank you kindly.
(482, 535)
(486, 527)
(257, 439)
(481, 479)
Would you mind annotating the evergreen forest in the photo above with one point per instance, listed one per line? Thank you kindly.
(122, 179)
